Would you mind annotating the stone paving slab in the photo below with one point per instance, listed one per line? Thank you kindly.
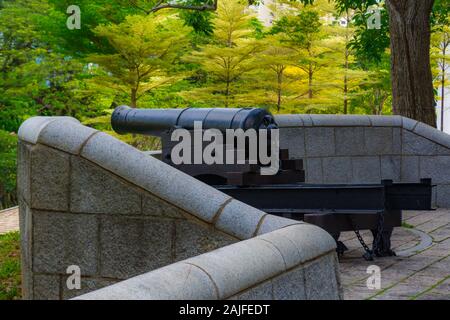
(423, 275)
(9, 220)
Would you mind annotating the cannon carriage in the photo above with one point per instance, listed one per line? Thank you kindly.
(334, 207)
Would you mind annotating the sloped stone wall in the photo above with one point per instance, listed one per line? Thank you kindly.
(89, 200)
(367, 149)
(282, 265)
(80, 214)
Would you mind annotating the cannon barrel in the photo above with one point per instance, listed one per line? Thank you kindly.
(157, 122)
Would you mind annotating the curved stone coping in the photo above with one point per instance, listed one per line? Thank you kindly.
(332, 120)
(197, 198)
(225, 272)
(30, 130)
(425, 242)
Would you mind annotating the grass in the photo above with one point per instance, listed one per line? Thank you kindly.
(430, 288)
(10, 278)
(407, 225)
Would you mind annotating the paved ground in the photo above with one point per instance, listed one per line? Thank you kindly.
(420, 271)
(9, 220)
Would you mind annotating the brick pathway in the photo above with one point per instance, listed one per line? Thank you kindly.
(423, 274)
(9, 220)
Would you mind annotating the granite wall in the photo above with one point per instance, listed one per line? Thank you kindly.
(367, 149)
(139, 228)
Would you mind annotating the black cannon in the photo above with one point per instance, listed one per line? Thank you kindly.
(162, 122)
(334, 207)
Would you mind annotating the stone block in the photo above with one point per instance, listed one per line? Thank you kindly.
(179, 281)
(46, 287)
(26, 236)
(263, 291)
(288, 120)
(320, 279)
(290, 285)
(271, 223)
(442, 151)
(314, 170)
(193, 239)
(434, 197)
(87, 285)
(239, 219)
(433, 134)
(385, 121)
(379, 141)
(409, 124)
(320, 142)
(61, 240)
(50, 171)
(286, 247)
(397, 137)
(337, 169)
(443, 196)
(350, 141)
(29, 130)
(154, 206)
(366, 170)
(66, 135)
(390, 168)
(94, 190)
(307, 121)
(435, 167)
(229, 267)
(337, 120)
(414, 144)
(130, 246)
(337, 272)
(155, 176)
(410, 169)
(293, 139)
(23, 171)
(310, 240)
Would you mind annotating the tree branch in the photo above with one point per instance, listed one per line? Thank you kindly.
(161, 5)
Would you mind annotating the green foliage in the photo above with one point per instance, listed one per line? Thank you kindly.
(145, 48)
(301, 29)
(8, 142)
(199, 21)
(93, 13)
(10, 277)
(306, 63)
(370, 44)
(18, 52)
(440, 16)
(228, 59)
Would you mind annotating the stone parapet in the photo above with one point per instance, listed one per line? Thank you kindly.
(367, 149)
(92, 201)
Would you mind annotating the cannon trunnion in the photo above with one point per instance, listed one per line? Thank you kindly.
(334, 207)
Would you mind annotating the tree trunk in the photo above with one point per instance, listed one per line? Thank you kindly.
(412, 87)
(347, 54)
(227, 94)
(133, 98)
(443, 69)
(310, 81)
(279, 89)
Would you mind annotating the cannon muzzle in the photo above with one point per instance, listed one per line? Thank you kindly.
(158, 122)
